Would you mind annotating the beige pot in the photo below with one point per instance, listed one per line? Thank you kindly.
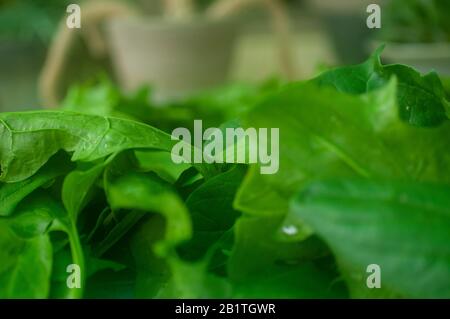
(176, 58)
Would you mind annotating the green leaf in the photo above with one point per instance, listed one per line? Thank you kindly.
(191, 280)
(423, 151)
(402, 227)
(94, 266)
(322, 132)
(28, 140)
(26, 265)
(11, 194)
(77, 187)
(37, 216)
(145, 192)
(416, 21)
(421, 99)
(305, 281)
(179, 277)
(263, 266)
(161, 163)
(152, 271)
(120, 229)
(42, 214)
(99, 99)
(209, 225)
(355, 79)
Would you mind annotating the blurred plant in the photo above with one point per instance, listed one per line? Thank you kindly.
(101, 96)
(417, 21)
(193, 5)
(30, 20)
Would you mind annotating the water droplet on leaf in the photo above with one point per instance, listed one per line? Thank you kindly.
(290, 230)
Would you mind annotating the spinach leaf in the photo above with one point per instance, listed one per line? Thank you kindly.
(42, 214)
(119, 230)
(209, 225)
(322, 132)
(26, 264)
(262, 265)
(161, 163)
(145, 192)
(402, 227)
(77, 186)
(11, 194)
(421, 99)
(29, 139)
(325, 132)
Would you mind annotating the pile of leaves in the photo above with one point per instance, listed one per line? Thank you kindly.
(364, 179)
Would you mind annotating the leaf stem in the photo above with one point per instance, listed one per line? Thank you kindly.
(78, 259)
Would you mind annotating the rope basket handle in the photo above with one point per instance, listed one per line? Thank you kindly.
(93, 14)
(280, 24)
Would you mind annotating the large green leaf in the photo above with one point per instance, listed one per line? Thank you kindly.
(42, 214)
(191, 280)
(402, 227)
(161, 163)
(78, 185)
(322, 132)
(95, 267)
(25, 265)
(28, 140)
(11, 194)
(421, 99)
(209, 225)
(118, 231)
(262, 265)
(146, 192)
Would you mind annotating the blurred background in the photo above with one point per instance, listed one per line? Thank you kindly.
(181, 47)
